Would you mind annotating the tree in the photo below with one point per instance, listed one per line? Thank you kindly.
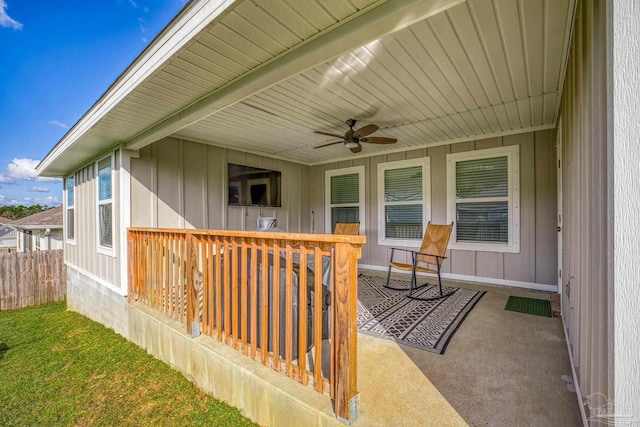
(20, 211)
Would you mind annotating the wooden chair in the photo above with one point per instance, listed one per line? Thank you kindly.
(349, 228)
(431, 252)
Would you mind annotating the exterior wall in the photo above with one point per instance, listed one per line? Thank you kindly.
(7, 237)
(601, 195)
(183, 184)
(536, 262)
(82, 253)
(96, 299)
(39, 240)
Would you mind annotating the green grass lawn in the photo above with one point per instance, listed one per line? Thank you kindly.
(60, 368)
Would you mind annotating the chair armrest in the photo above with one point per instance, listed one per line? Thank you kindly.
(426, 254)
(404, 250)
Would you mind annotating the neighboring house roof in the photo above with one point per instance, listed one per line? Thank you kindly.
(6, 221)
(259, 77)
(51, 218)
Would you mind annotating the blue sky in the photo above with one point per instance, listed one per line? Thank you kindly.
(56, 59)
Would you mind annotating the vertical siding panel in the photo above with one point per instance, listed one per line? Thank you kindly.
(195, 177)
(522, 266)
(216, 187)
(141, 188)
(169, 179)
(546, 207)
(438, 162)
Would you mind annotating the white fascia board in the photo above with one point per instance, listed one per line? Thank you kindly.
(192, 19)
(371, 24)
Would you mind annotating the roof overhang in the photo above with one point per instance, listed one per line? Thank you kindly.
(251, 76)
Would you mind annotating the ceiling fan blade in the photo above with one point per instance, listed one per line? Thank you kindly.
(326, 144)
(378, 140)
(356, 149)
(328, 134)
(366, 130)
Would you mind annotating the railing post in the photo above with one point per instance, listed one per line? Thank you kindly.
(193, 321)
(345, 333)
(131, 256)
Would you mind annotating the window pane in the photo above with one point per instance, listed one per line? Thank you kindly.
(345, 189)
(403, 184)
(104, 179)
(482, 222)
(70, 190)
(70, 224)
(105, 225)
(403, 222)
(482, 178)
(344, 214)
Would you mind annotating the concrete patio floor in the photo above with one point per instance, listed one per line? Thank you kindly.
(501, 368)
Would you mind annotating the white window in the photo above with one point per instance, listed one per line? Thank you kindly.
(105, 204)
(344, 197)
(404, 201)
(483, 199)
(70, 217)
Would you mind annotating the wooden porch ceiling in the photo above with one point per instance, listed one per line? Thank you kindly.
(480, 68)
(262, 76)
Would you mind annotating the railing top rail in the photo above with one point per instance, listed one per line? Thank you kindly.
(302, 237)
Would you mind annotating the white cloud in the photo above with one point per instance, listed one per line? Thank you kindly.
(50, 201)
(5, 179)
(39, 189)
(57, 122)
(133, 3)
(26, 169)
(5, 20)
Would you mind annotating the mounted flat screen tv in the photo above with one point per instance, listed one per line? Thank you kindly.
(249, 186)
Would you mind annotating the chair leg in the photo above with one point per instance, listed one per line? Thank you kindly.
(440, 295)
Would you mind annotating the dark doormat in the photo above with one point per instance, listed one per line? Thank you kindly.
(539, 307)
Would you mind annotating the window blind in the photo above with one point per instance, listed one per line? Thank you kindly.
(483, 222)
(403, 184)
(487, 177)
(403, 220)
(345, 189)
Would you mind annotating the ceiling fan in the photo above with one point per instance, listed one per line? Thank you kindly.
(353, 138)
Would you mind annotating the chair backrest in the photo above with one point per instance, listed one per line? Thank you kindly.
(435, 241)
(352, 228)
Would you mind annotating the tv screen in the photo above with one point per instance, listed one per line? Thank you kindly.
(249, 186)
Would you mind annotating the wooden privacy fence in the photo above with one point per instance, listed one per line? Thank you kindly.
(276, 297)
(32, 278)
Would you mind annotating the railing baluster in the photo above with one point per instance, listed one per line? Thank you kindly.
(317, 321)
(265, 303)
(275, 286)
(244, 298)
(302, 316)
(254, 297)
(288, 306)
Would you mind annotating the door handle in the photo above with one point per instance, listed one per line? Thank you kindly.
(559, 229)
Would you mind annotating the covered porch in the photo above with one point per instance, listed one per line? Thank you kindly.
(501, 367)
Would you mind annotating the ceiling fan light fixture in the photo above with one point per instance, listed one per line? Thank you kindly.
(351, 144)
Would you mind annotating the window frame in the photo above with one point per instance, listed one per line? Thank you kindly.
(102, 249)
(512, 152)
(425, 162)
(70, 240)
(361, 195)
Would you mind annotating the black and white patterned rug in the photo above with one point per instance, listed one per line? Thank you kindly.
(428, 325)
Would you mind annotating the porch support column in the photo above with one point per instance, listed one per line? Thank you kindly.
(623, 32)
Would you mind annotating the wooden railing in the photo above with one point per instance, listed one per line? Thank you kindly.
(276, 297)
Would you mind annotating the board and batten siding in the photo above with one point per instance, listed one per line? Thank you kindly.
(537, 260)
(177, 183)
(83, 253)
